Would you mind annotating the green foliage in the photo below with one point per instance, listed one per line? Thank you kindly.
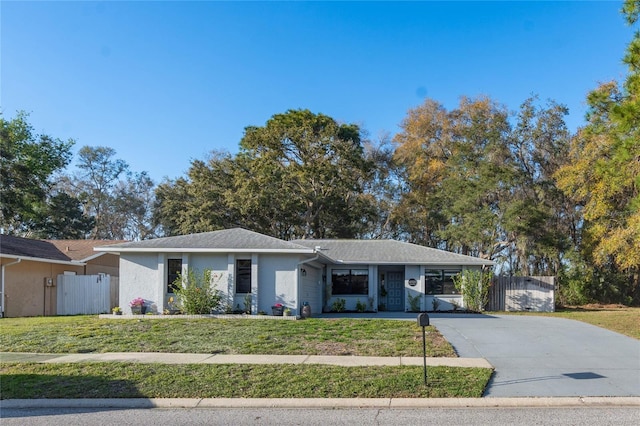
(27, 163)
(64, 219)
(360, 306)
(414, 302)
(196, 294)
(603, 176)
(474, 286)
(300, 175)
(478, 185)
(119, 201)
(338, 305)
(247, 303)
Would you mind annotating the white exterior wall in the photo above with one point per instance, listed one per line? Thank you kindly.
(274, 279)
(139, 277)
(283, 271)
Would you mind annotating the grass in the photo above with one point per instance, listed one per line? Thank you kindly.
(89, 334)
(623, 320)
(128, 380)
(83, 334)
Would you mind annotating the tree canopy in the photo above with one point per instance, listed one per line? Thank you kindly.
(27, 163)
(301, 175)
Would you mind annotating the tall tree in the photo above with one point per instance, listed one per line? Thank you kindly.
(456, 170)
(313, 169)
(120, 201)
(302, 175)
(199, 202)
(603, 174)
(383, 189)
(539, 220)
(27, 162)
(63, 219)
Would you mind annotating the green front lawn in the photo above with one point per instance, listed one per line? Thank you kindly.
(128, 380)
(83, 334)
(89, 334)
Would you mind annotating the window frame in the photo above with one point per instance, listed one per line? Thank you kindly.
(242, 271)
(351, 284)
(173, 276)
(444, 285)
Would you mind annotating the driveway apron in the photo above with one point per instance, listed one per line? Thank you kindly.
(537, 356)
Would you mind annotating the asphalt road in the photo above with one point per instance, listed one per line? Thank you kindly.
(538, 356)
(601, 416)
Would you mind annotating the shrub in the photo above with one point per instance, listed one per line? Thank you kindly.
(196, 294)
(339, 305)
(414, 302)
(361, 307)
(474, 286)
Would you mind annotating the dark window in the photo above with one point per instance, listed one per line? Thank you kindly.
(350, 281)
(243, 276)
(440, 282)
(174, 269)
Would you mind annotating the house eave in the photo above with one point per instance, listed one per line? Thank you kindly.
(200, 250)
(435, 263)
(43, 260)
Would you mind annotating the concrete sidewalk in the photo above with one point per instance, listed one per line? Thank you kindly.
(189, 358)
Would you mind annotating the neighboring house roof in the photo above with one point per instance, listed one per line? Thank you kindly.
(75, 252)
(226, 240)
(388, 252)
(11, 246)
(81, 250)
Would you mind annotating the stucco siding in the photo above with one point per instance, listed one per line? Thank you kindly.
(277, 278)
(139, 277)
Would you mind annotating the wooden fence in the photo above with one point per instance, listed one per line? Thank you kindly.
(535, 294)
(84, 294)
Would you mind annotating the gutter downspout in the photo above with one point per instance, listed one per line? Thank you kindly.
(2, 289)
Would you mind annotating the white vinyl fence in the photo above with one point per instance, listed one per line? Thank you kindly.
(84, 294)
(535, 294)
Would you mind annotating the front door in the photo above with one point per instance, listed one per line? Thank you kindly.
(395, 291)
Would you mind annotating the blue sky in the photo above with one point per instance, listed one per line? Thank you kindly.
(164, 83)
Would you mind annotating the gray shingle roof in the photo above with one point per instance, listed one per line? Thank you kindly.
(235, 239)
(388, 252)
(38, 249)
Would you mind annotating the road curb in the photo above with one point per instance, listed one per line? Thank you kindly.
(136, 403)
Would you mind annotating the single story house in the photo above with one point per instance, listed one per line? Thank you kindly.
(379, 274)
(30, 267)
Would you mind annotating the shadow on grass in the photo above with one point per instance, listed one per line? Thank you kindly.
(51, 386)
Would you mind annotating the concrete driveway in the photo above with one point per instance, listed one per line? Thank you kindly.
(538, 356)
